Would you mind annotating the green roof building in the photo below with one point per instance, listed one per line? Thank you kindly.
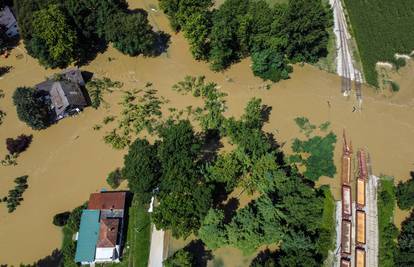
(88, 236)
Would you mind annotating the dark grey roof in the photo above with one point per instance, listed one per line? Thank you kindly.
(74, 75)
(45, 86)
(65, 92)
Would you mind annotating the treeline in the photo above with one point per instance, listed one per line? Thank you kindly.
(272, 36)
(190, 180)
(381, 28)
(60, 32)
(396, 248)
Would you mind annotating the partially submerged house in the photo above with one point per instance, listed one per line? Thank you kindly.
(101, 229)
(63, 93)
(8, 20)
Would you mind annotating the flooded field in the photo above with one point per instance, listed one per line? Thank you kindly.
(69, 160)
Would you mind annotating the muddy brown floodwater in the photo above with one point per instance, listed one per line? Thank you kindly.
(69, 160)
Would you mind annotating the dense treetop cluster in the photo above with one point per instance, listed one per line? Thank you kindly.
(273, 36)
(190, 180)
(396, 248)
(405, 193)
(60, 32)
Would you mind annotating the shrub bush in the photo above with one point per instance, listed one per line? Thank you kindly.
(114, 178)
(18, 145)
(61, 219)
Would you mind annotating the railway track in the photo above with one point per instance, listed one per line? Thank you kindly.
(346, 68)
(346, 84)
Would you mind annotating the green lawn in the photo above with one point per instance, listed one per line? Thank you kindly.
(326, 242)
(381, 29)
(139, 235)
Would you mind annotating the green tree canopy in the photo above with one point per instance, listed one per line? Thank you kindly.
(184, 196)
(179, 11)
(180, 258)
(54, 41)
(212, 231)
(305, 24)
(406, 243)
(91, 16)
(131, 33)
(141, 169)
(270, 65)
(405, 193)
(31, 109)
(197, 31)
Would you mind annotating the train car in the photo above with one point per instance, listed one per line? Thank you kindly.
(361, 193)
(346, 170)
(362, 162)
(360, 257)
(345, 262)
(360, 227)
(346, 202)
(346, 237)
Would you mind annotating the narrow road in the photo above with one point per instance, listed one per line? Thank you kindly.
(157, 248)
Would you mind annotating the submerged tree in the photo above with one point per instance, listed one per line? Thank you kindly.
(2, 113)
(210, 116)
(315, 153)
(97, 87)
(269, 65)
(14, 197)
(131, 33)
(141, 110)
(31, 109)
(18, 145)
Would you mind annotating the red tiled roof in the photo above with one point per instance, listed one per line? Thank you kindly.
(107, 201)
(108, 233)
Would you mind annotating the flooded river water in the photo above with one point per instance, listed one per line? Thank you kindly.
(69, 160)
